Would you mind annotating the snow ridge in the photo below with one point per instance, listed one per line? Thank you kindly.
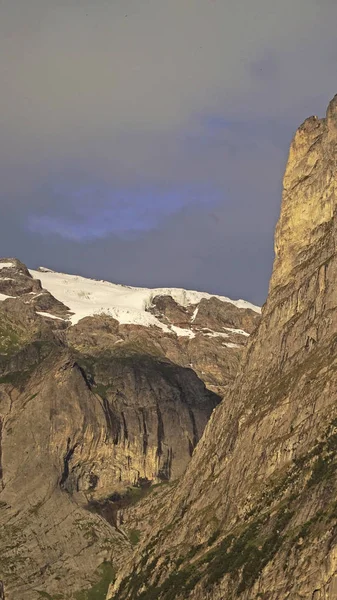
(128, 305)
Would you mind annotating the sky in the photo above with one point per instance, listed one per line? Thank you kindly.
(144, 141)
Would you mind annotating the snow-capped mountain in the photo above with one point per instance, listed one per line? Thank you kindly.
(83, 297)
(103, 387)
(183, 325)
(128, 305)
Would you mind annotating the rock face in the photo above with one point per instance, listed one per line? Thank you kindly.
(90, 415)
(47, 535)
(255, 515)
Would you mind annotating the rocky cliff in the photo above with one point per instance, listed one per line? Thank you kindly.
(255, 515)
(93, 411)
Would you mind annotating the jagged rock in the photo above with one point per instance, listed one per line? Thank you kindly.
(90, 415)
(16, 282)
(47, 535)
(15, 278)
(214, 358)
(75, 430)
(217, 315)
(169, 311)
(254, 516)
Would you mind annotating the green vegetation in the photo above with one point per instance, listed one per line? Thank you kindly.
(100, 389)
(135, 493)
(250, 551)
(326, 464)
(131, 496)
(134, 536)
(18, 378)
(213, 537)
(105, 574)
(10, 340)
(49, 597)
(309, 367)
(30, 356)
(88, 529)
(177, 583)
(247, 550)
(242, 556)
(99, 590)
(318, 465)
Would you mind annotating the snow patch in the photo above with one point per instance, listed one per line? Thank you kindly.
(194, 314)
(216, 334)
(6, 265)
(237, 331)
(128, 305)
(230, 345)
(87, 297)
(182, 332)
(45, 314)
(4, 297)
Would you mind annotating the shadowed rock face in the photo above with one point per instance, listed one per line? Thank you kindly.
(75, 430)
(45, 530)
(90, 415)
(254, 516)
(66, 440)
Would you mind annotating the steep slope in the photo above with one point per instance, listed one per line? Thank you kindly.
(93, 412)
(48, 539)
(255, 514)
(193, 329)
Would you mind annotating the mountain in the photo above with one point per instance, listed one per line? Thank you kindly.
(105, 390)
(184, 326)
(98, 503)
(255, 514)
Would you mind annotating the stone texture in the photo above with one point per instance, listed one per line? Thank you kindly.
(47, 536)
(255, 514)
(90, 415)
(74, 430)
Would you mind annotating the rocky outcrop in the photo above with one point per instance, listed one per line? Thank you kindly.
(215, 314)
(75, 431)
(214, 358)
(255, 514)
(47, 535)
(92, 415)
(192, 329)
(210, 313)
(17, 282)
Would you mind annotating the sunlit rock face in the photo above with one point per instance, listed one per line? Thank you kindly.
(104, 390)
(254, 516)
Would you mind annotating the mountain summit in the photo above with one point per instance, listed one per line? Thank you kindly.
(105, 390)
(124, 477)
(255, 514)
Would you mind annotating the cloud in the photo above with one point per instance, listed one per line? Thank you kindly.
(121, 121)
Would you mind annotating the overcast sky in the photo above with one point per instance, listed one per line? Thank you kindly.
(144, 141)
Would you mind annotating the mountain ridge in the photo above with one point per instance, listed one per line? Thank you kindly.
(95, 414)
(254, 515)
(250, 511)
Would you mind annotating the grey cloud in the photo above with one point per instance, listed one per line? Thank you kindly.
(196, 96)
